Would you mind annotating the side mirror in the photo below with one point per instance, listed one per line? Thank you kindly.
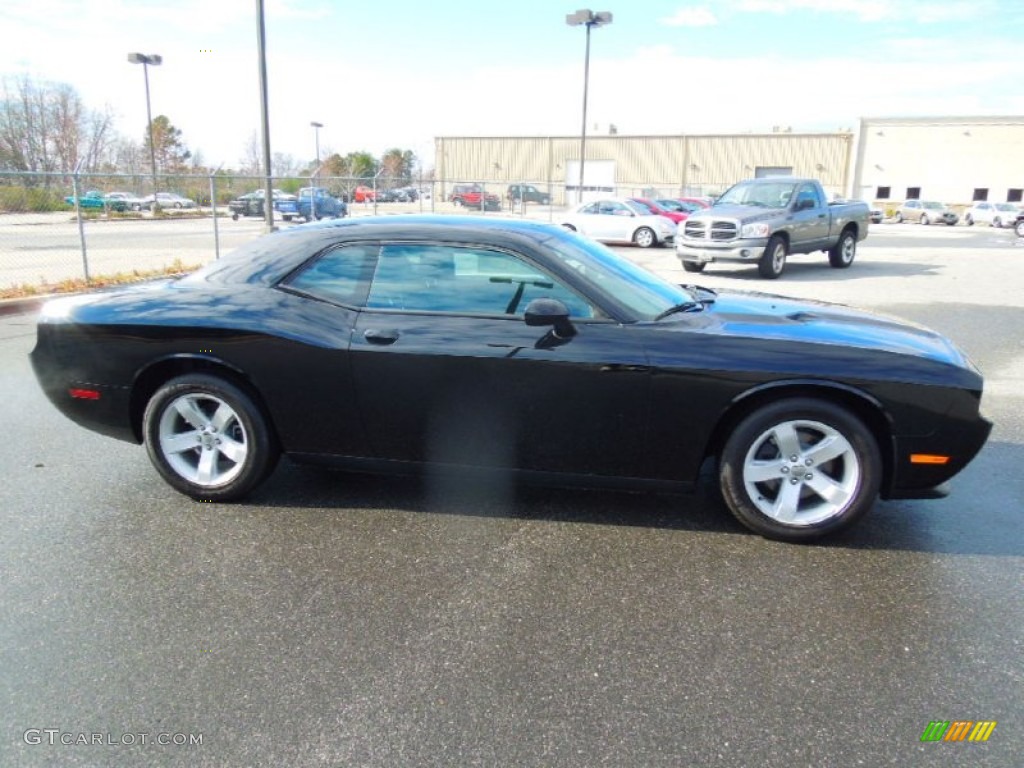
(553, 312)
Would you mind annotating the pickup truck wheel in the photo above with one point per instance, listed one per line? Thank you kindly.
(645, 237)
(773, 260)
(842, 253)
(799, 468)
(694, 266)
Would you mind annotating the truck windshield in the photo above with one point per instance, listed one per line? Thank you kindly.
(770, 195)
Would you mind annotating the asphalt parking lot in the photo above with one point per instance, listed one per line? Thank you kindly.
(343, 620)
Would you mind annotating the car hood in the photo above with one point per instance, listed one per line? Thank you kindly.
(744, 213)
(768, 316)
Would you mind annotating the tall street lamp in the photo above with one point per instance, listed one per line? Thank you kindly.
(316, 170)
(590, 19)
(145, 61)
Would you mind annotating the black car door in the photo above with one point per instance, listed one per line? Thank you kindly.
(446, 370)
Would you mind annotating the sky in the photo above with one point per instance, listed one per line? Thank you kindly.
(398, 73)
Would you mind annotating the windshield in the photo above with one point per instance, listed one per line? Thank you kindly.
(1005, 207)
(644, 293)
(763, 195)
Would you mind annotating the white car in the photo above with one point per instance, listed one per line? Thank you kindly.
(996, 214)
(617, 220)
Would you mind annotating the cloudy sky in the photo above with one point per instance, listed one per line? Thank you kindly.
(401, 72)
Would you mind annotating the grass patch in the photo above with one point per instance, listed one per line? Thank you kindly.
(78, 284)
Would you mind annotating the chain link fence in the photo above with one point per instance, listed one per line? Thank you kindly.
(60, 230)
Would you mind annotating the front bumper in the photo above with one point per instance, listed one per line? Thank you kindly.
(736, 250)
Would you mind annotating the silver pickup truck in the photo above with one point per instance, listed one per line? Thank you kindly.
(762, 221)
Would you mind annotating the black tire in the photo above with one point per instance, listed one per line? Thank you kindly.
(969, 220)
(924, 220)
(898, 217)
(773, 260)
(234, 217)
(842, 254)
(997, 222)
(791, 508)
(694, 266)
(1019, 229)
(223, 412)
(287, 218)
(645, 237)
(177, 205)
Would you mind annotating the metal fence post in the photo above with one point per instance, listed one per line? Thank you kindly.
(78, 213)
(213, 208)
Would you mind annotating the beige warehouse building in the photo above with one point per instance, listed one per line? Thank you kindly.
(955, 160)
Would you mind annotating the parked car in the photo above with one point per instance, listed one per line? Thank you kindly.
(474, 196)
(875, 214)
(131, 202)
(660, 210)
(251, 204)
(416, 343)
(994, 214)
(763, 221)
(318, 203)
(406, 194)
(925, 212)
(620, 220)
(94, 199)
(363, 194)
(167, 200)
(681, 205)
(527, 193)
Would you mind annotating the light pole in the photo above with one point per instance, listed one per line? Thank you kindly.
(316, 170)
(590, 19)
(145, 61)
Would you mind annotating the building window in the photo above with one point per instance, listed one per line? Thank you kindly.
(913, 193)
(766, 171)
(882, 193)
(980, 194)
(1014, 195)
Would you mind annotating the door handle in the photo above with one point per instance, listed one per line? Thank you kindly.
(383, 336)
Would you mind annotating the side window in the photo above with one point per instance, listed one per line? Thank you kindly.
(341, 275)
(592, 208)
(439, 278)
(807, 193)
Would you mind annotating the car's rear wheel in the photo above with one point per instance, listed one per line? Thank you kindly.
(207, 438)
(645, 237)
(773, 260)
(799, 468)
(898, 217)
(841, 255)
(694, 266)
(969, 220)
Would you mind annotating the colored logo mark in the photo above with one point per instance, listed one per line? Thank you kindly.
(958, 730)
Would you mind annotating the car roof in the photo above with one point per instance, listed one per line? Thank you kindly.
(271, 257)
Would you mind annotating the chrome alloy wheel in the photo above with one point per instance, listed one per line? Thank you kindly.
(801, 473)
(203, 439)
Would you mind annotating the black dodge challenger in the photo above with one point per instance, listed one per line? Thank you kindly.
(455, 344)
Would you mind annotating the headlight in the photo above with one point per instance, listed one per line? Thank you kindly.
(757, 229)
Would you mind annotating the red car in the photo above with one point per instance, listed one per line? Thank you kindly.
(660, 210)
(363, 194)
(685, 205)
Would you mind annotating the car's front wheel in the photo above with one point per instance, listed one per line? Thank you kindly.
(898, 217)
(800, 468)
(924, 220)
(773, 260)
(207, 438)
(645, 237)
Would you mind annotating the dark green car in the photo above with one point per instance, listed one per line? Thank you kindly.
(94, 199)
